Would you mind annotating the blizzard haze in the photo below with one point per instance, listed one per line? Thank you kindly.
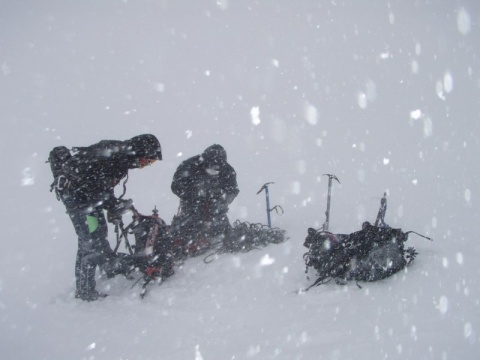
(383, 94)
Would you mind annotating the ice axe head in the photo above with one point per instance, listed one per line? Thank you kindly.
(264, 187)
(331, 176)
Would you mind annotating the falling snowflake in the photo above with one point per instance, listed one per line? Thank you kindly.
(255, 115)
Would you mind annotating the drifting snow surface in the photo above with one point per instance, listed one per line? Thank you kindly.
(244, 306)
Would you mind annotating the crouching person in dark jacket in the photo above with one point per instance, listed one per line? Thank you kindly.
(206, 185)
(86, 187)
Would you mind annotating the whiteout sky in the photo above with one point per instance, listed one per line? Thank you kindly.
(383, 94)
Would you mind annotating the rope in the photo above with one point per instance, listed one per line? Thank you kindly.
(244, 237)
(124, 187)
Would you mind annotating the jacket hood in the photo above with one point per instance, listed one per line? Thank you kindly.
(146, 146)
(214, 155)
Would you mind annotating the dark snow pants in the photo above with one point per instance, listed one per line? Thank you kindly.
(93, 247)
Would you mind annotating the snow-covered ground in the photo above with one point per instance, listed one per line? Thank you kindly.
(384, 94)
(244, 306)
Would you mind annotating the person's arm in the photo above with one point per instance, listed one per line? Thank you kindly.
(230, 186)
(185, 180)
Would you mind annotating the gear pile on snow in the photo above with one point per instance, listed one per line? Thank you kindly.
(245, 236)
(153, 246)
(152, 253)
(370, 254)
(241, 237)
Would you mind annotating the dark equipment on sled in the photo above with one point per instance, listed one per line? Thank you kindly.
(373, 253)
(244, 237)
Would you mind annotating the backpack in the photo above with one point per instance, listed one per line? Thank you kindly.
(57, 157)
(152, 253)
(153, 244)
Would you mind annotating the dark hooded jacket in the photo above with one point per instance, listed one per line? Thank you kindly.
(94, 171)
(206, 177)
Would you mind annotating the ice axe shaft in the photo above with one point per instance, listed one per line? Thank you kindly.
(327, 213)
(267, 198)
(380, 221)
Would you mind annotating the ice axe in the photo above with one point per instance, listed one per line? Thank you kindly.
(327, 213)
(267, 197)
(380, 221)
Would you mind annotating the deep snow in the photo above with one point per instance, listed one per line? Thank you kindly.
(384, 94)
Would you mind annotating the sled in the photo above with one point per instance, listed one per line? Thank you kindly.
(371, 254)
